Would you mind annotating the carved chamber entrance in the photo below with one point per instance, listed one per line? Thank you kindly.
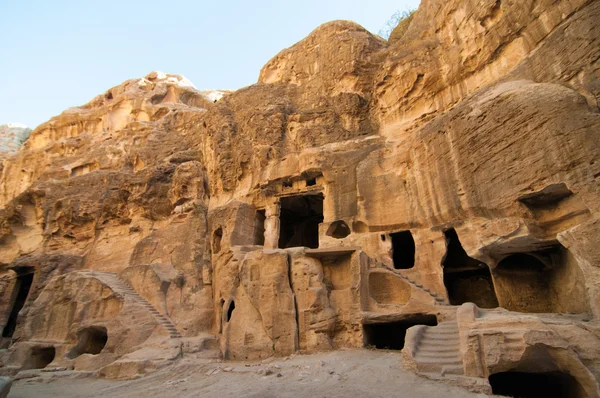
(390, 335)
(22, 288)
(466, 279)
(300, 217)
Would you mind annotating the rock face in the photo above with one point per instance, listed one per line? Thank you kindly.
(5, 384)
(360, 192)
(12, 136)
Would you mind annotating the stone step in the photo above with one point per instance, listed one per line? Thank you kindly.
(438, 355)
(440, 348)
(437, 339)
(439, 342)
(443, 328)
(441, 335)
(439, 361)
(453, 370)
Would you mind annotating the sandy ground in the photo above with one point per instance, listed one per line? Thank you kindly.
(346, 373)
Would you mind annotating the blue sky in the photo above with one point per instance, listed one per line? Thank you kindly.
(62, 53)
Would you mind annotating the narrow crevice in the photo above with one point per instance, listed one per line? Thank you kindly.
(297, 315)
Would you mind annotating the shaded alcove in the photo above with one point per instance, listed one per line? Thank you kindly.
(466, 279)
(217, 237)
(90, 340)
(259, 227)
(39, 358)
(403, 250)
(536, 385)
(338, 229)
(548, 281)
(391, 335)
(22, 287)
(230, 311)
(300, 217)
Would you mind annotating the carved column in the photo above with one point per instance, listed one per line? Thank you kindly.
(272, 225)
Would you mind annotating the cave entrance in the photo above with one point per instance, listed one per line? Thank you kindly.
(300, 217)
(536, 385)
(217, 237)
(466, 279)
(90, 340)
(23, 285)
(548, 280)
(230, 311)
(403, 250)
(259, 227)
(40, 357)
(390, 336)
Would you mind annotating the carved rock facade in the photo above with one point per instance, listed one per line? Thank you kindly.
(359, 194)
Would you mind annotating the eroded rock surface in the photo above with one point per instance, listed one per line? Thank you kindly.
(360, 192)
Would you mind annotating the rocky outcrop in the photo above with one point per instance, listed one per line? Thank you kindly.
(360, 192)
(12, 136)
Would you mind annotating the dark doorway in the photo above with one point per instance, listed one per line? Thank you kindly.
(23, 285)
(217, 237)
(40, 358)
(466, 279)
(300, 217)
(230, 311)
(536, 385)
(259, 227)
(390, 336)
(90, 340)
(403, 250)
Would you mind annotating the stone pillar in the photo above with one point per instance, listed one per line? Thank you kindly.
(272, 225)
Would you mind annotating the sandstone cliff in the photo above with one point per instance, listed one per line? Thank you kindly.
(358, 189)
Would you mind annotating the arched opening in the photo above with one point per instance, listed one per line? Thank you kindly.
(536, 385)
(21, 291)
(40, 357)
(390, 335)
(230, 311)
(403, 250)
(548, 281)
(217, 236)
(90, 340)
(338, 229)
(466, 279)
(300, 217)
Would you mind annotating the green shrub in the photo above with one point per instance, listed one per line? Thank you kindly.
(397, 25)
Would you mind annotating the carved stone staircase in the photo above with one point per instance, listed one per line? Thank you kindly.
(438, 350)
(121, 287)
(438, 300)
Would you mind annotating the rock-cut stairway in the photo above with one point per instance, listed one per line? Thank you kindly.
(438, 350)
(438, 299)
(119, 286)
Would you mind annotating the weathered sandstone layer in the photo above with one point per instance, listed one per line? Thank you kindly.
(438, 194)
